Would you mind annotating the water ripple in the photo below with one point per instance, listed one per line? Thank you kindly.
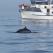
(33, 51)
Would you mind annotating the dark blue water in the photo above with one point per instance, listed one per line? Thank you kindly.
(10, 21)
(41, 42)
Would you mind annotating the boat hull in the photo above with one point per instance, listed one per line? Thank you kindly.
(33, 15)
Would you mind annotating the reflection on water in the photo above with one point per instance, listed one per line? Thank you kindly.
(39, 25)
(34, 51)
(46, 29)
(30, 42)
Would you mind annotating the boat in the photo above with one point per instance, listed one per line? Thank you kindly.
(38, 9)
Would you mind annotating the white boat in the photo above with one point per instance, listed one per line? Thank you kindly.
(37, 10)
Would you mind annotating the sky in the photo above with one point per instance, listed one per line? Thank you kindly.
(7, 7)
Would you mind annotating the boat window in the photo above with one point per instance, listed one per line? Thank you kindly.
(39, 2)
(42, 3)
(33, 9)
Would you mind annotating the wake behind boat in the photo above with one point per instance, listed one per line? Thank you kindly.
(39, 9)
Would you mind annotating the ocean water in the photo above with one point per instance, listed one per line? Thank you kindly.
(41, 42)
(10, 21)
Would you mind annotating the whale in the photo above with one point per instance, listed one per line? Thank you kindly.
(24, 30)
